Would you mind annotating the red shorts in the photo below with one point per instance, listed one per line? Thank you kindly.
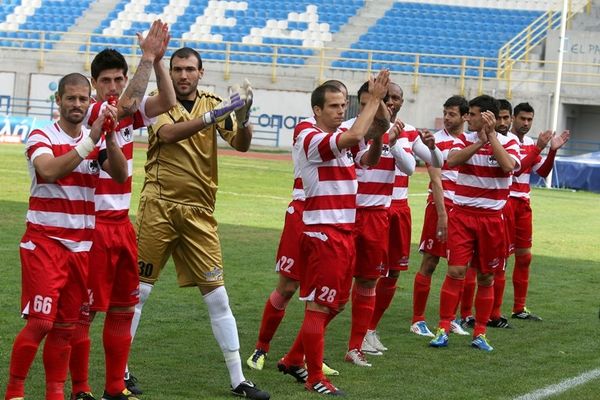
(53, 280)
(430, 242)
(399, 242)
(327, 254)
(288, 260)
(475, 232)
(371, 239)
(114, 277)
(519, 224)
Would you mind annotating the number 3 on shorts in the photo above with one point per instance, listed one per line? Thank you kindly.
(327, 294)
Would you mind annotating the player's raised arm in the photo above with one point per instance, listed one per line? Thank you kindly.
(378, 89)
(153, 47)
(505, 160)
(402, 158)
(165, 99)
(174, 132)
(425, 148)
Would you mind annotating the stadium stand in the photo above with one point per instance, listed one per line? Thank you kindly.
(438, 33)
(295, 26)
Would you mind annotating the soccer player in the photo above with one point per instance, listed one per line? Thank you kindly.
(175, 215)
(287, 261)
(399, 219)
(113, 280)
(375, 186)
(519, 215)
(64, 160)
(503, 123)
(327, 247)
(434, 235)
(486, 160)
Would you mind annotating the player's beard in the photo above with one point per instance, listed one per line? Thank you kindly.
(183, 93)
(68, 116)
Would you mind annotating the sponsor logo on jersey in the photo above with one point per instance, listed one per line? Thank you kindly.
(93, 167)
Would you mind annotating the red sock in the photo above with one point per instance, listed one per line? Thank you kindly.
(80, 357)
(484, 301)
(363, 303)
(295, 356)
(421, 289)
(521, 281)
(313, 336)
(499, 284)
(23, 354)
(466, 300)
(57, 350)
(272, 315)
(117, 342)
(386, 287)
(449, 297)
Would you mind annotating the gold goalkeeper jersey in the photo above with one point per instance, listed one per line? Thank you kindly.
(186, 171)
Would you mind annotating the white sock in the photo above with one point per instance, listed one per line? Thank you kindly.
(225, 331)
(145, 289)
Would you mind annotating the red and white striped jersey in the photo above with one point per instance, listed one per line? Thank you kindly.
(481, 183)
(520, 183)
(407, 140)
(375, 184)
(113, 198)
(63, 210)
(298, 190)
(328, 177)
(445, 141)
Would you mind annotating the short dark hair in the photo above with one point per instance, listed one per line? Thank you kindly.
(108, 59)
(363, 88)
(185, 52)
(334, 82)
(486, 103)
(317, 98)
(74, 78)
(458, 101)
(505, 105)
(523, 107)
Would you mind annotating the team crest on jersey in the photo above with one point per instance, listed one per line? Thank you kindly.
(126, 134)
(93, 167)
(214, 275)
(349, 155)
(492, 160)
(385, 149)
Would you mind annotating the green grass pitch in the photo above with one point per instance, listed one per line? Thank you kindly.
(176, 357)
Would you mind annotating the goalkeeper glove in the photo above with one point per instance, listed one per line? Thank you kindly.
(245, 92)
(223, 110)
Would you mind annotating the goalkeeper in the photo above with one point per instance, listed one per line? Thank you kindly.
(175, 215)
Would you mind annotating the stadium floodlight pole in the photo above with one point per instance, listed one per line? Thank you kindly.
(559, 68)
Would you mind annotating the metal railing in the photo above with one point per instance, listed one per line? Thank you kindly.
(278, 60)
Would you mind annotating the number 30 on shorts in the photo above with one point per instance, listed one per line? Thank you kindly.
(327, 294)
(145, 269)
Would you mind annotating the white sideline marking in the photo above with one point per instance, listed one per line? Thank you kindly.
(561, 387)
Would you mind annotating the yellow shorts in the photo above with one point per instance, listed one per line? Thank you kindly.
(189, 234)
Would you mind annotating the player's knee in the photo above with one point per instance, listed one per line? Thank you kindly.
(485, 279)
(456, 272)
(36, 329)
(287, 287)
(428, 264)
